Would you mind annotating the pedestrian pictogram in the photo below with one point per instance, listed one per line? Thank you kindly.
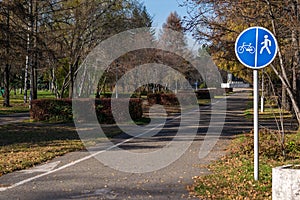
(256, 47)
(267, 43)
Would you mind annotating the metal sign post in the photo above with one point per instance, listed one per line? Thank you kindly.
(256, 47)
(255, 124)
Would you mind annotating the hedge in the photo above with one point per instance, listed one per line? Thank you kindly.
(51, 110)
(203, 94)
(170, 98)
(104, 113)
(154, 98)
(58, 110)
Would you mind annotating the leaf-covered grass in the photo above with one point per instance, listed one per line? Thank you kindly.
(23, 145)
(269, 113)
(232, 176)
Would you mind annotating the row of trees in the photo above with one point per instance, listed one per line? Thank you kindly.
(172, 37)
(45, 41)
(220, 22)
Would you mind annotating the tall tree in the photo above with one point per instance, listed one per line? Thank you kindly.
(220, 23)
(54, 36)
(173, 37)
(11, 41)
(79, 26)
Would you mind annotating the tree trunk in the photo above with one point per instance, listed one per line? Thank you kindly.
(72, 69)
(71, 85)
(284, 99)
(53, 85)
(36, 54)
(298, 92)
(33, 49)
(283, 76)
(6, 102)
(26, 81)
(27, 66)
(290, 93)
(296, 57)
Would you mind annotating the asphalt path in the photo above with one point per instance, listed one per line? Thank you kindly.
(80, 175)
(13, 118)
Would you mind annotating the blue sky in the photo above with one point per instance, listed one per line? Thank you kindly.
(160, 10)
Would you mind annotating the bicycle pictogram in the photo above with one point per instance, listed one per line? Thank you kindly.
(248, 47)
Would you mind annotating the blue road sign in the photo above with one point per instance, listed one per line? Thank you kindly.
(256, 47)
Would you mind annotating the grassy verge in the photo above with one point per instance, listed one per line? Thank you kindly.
(17, 106)
(232, 176)
(269, 113)
(204, 102)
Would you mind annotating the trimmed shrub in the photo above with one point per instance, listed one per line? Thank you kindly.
(105, 115)
(51, 110)
(169, 99)
(120, 95)
(203, 94)
(84, 109)
(220, 91)
(154, 98)
(186, 98)
(58, 110)
(106, 95)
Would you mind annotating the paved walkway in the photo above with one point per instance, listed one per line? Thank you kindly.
(13, 118)
(78, 175)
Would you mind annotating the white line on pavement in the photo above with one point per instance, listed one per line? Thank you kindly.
(91, 155)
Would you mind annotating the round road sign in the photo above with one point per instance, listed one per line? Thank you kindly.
(256, 47)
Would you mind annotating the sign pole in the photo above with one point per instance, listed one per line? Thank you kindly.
(255, 121)
(262, 98)
(256, 47)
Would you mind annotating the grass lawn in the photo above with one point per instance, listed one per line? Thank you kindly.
(17, 102)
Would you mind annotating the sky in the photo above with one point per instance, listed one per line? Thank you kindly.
(161, 9)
